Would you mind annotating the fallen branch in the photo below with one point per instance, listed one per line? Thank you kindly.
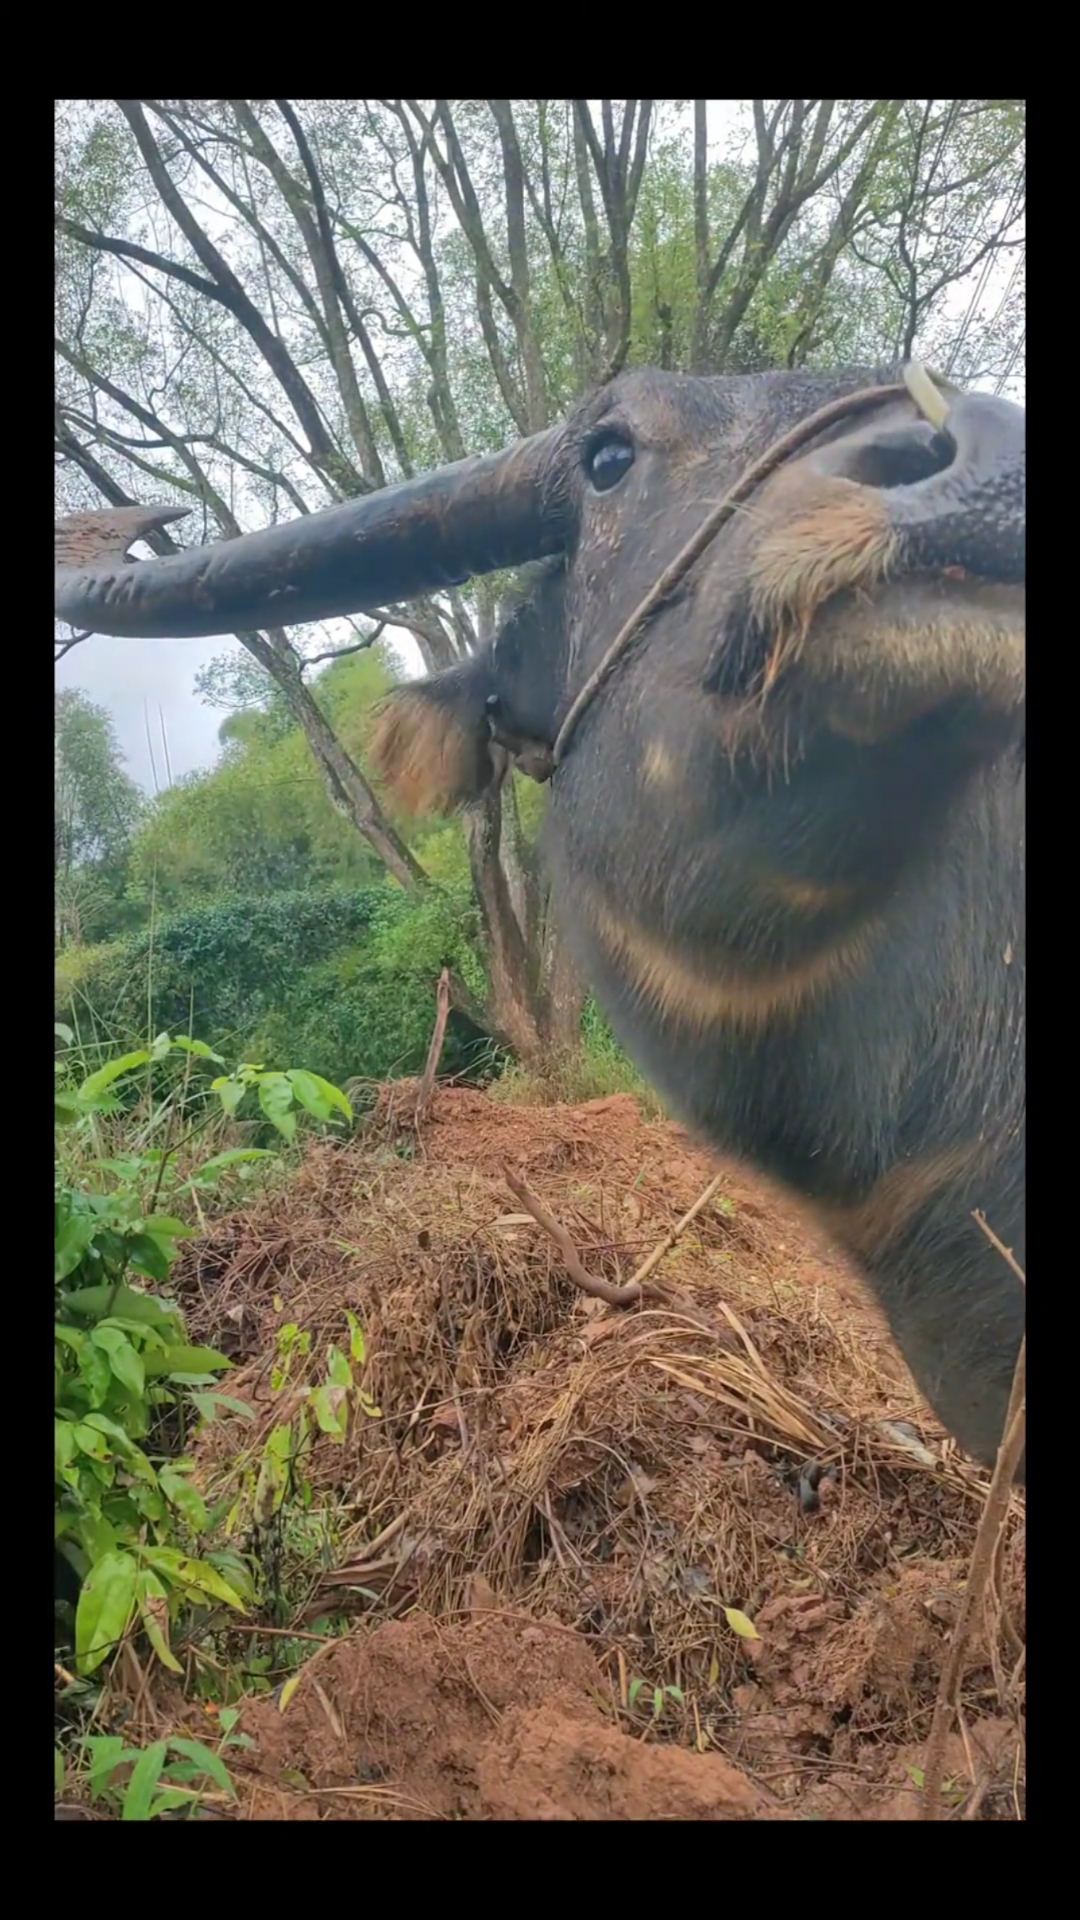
(635, 1289)
(431, 1065)
(600, 1289)
(994, 1516)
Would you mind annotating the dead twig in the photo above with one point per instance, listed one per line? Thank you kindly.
(1005, 1252)
(994, 1516)
(654, 1258)
(635, 1289)
(431, 1065)
(600, 1289)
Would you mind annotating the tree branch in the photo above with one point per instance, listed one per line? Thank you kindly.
(232, 295)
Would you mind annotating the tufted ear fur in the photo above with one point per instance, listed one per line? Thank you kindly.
(432, 744)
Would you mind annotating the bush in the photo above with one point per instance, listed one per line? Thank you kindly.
(132, 1529)
(73, 967)
(368, 1013)
(220, 968)
(345, 979)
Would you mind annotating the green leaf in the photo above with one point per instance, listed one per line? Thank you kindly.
(165, 1227)
(196, 1575)
(106, 1752)
(63, 1444)
(63, 1033)
(206, 1762)
(187, 1499)
(196, 1360)
(230, 1092)
(72, 1240)
(331, 1411)
(126, 1364)
(198, 1047)
(111, 1071)
(309, 1093)
(145, 1774)
(235, 1570)
(357, 1342)
(94, 1368)
(105, 1608)
(275, 1099)
(330, 1097)
(59, 1771)
(154, 1610)
(90, 1441)
(338, 1368)
(288, 1690)
(147, 1255)
(740, 1624)
(118, 1434)
(207, 1404)
(126, 1302)
(162, 1045)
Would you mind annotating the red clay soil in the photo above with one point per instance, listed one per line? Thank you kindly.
(555, 1541)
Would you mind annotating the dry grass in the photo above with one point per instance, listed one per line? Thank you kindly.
(630, 1474)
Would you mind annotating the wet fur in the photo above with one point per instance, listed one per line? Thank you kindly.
(432, 746)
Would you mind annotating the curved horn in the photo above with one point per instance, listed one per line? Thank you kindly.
(473, 517)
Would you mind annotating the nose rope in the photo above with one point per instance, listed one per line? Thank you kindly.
(917, 383)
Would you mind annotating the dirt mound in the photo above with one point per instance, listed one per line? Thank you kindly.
(493, 1719)
(736, 1530)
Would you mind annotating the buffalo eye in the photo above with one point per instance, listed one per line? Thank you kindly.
(607, 461)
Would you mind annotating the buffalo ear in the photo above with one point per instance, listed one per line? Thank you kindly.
(432, 745)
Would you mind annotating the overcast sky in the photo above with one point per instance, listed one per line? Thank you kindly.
(148, 685)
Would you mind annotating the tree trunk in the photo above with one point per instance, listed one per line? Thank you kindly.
(515, 1009)
(564, 988)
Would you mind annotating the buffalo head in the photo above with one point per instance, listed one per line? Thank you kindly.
(788, 830)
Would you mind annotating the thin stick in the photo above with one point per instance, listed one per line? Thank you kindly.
(1005, 1252)
(427, 1079)
(654, 1258)
(600, 1289)
(994, 1516)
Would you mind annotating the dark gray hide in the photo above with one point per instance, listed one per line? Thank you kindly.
(788, 835)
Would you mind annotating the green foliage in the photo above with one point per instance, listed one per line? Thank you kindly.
(171, 1776)
(129, 1519)
(261, 1485)
(225, 968)
(72, 968)
(600, 1068)
(261, 821)
(367, 1012)
(281, 1094)
(96, 808)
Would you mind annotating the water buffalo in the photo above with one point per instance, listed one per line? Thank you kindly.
(787, 832)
